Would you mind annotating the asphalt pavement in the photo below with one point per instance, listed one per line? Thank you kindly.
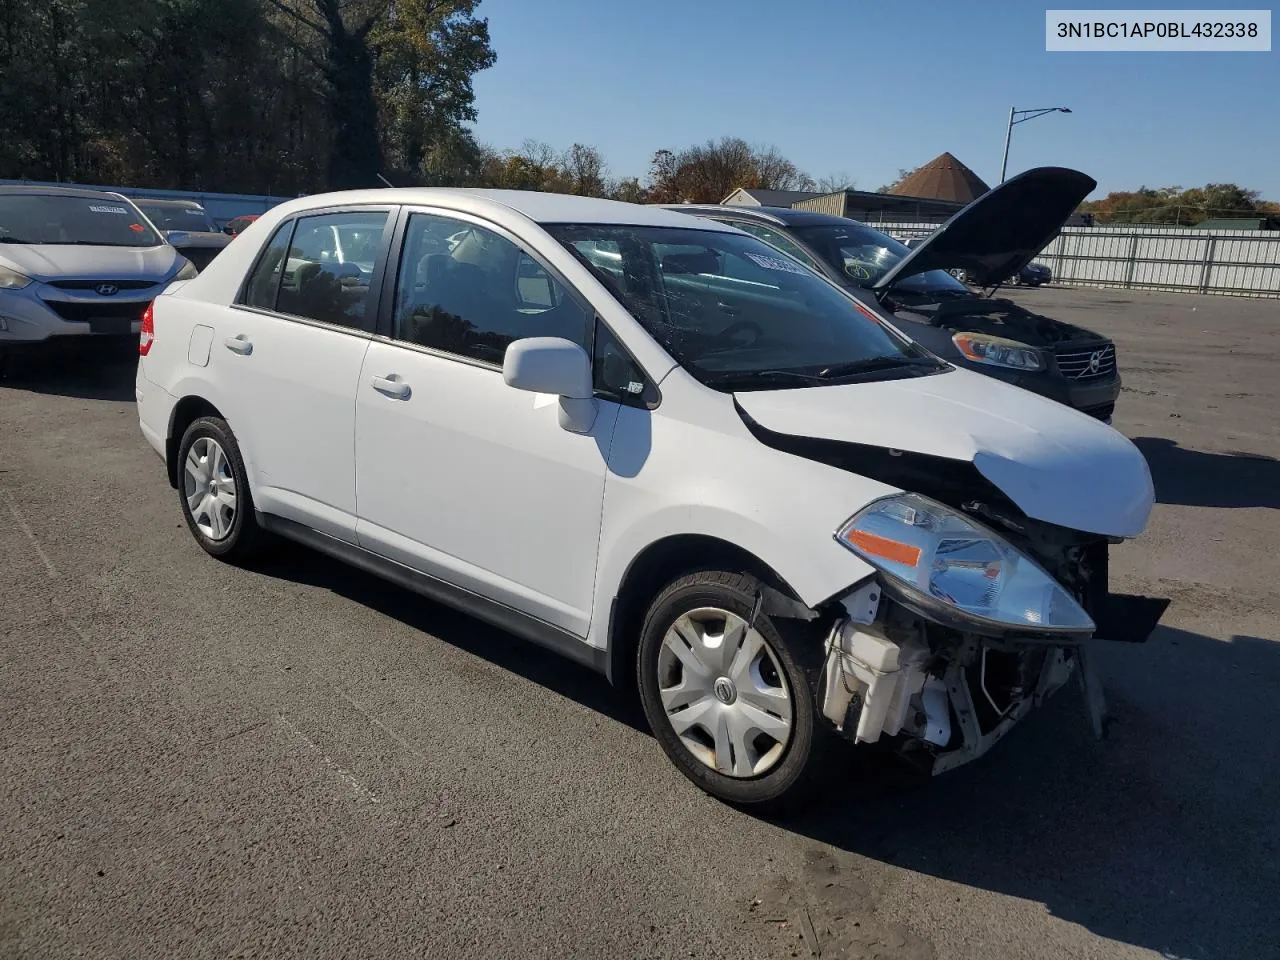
(303, 761)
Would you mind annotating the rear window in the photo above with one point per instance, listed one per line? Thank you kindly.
(190, 219)
(42, 218)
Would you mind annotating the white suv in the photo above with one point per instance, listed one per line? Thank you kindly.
(651, 443)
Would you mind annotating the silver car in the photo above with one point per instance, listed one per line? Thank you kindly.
(77, 263)
(188, 227)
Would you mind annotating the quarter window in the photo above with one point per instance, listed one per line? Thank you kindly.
(330, 264)
(467, 290)
(264, 282)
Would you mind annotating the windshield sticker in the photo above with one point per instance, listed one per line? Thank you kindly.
(101, 208)
(777, 263)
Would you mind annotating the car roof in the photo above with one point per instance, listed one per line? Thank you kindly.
(782, 216)
(18, 190)
(536, 206)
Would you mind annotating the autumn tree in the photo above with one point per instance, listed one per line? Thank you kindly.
(708, 172)
(1176, 205)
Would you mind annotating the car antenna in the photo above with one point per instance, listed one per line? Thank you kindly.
(385, 180)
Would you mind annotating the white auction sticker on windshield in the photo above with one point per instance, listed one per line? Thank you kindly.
(99, 208)
(777, 263)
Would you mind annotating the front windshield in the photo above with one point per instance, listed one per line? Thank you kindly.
(45, 218)
(190, 219)
(865, 255)
(734, 311)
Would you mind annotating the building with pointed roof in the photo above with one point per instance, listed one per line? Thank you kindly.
(942, 178)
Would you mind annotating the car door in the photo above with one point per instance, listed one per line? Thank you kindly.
(288, 357)
(458, 475)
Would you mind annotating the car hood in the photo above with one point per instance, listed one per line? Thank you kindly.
(54, 261)
(997, 234)
(1054, 463)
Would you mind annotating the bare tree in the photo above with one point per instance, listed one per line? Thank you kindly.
(835, 182)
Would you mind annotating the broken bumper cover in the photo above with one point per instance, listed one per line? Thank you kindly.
(945, 705)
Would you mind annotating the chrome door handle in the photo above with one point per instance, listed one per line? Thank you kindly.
(240, 345)
(392, 386)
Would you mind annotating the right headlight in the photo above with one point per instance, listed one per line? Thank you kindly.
(12, 279)
(943, 557)
(998, 352)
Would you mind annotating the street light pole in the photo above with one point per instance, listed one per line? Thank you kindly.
(1022, 116)
(1008, 135)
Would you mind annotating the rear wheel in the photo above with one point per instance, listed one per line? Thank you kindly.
(729, 699)
(214, 492)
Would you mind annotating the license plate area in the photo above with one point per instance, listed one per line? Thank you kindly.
(114, 325)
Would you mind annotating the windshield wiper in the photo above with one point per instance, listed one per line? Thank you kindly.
(749, 377)
(94, 243)
(13, 240)
(872, 364)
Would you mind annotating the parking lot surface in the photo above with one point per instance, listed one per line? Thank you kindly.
(303, 761)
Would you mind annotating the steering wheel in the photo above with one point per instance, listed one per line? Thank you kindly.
(742, 326)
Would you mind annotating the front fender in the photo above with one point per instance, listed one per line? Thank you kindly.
(783, 510)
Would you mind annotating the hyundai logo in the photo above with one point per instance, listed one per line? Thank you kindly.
(1095, 361)
(107, 289)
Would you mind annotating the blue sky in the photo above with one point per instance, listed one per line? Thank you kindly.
(870, 87)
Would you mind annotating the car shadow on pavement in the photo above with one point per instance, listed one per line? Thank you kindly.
(1197, 478)
(544, 667)
(105, 372)
(1163, 836)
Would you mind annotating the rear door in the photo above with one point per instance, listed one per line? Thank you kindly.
(288, 356)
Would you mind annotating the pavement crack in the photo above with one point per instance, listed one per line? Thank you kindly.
(30, 535)
(236, 733)
(340, 771)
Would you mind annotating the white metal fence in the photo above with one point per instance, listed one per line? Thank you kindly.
(1239, 263)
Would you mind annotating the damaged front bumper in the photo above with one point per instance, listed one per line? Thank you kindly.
(942, 697)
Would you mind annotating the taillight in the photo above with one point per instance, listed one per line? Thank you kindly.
(147, 335)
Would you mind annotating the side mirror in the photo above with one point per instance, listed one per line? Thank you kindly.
(555, 366)
(176, 237)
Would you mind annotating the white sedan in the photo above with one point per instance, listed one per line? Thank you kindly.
(655, 445)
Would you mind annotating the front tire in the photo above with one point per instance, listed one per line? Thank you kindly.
(213, 491)
(731, 701)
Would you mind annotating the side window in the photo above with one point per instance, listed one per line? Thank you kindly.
(776, 239)
(617, 376)
(264, 282)
(330, 265)
(467, 290)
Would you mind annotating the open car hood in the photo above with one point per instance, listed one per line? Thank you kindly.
(1055, 464)
(998, 234)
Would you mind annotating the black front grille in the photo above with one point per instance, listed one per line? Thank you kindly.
(1102, 412)
(95, 284)
(82, 312)
(1091, 363)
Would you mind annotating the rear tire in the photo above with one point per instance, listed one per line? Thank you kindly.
(213, 491)
(732, 702)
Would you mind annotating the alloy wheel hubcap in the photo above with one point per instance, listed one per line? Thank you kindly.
(209, 486)
(724, 693)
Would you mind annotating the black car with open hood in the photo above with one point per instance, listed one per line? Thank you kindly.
(990, 239)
